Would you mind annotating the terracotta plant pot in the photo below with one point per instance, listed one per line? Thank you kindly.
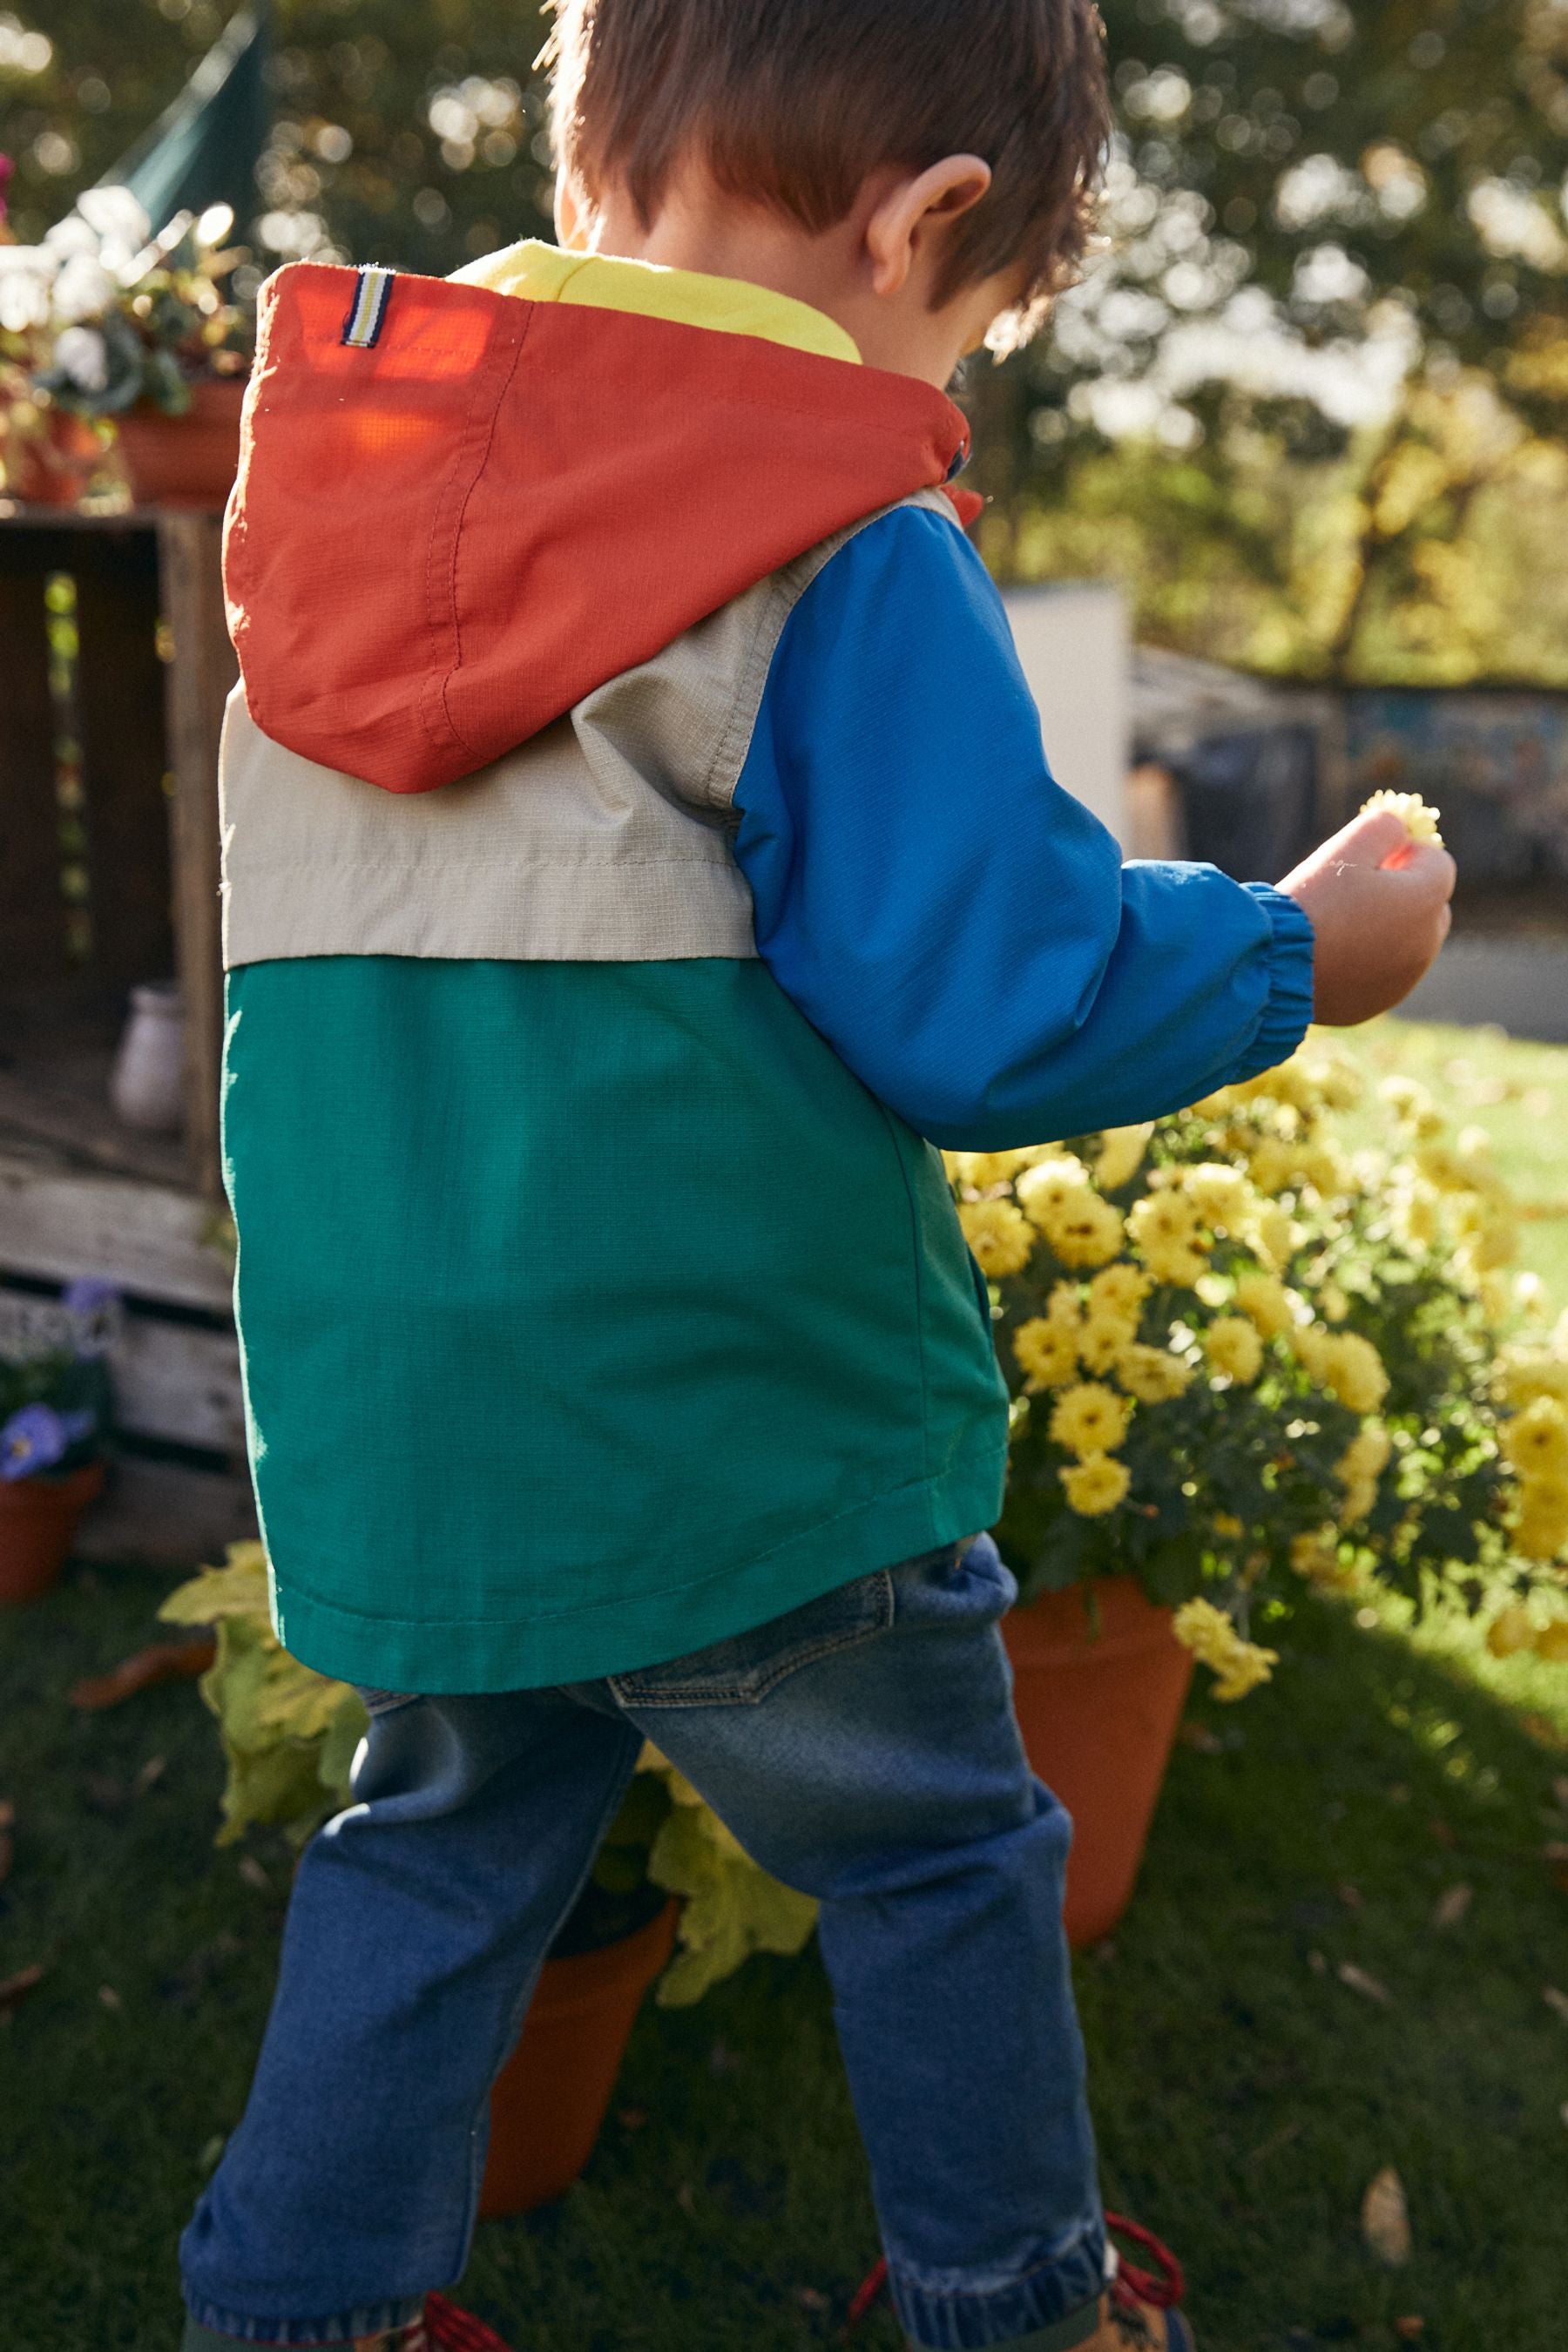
(185, 461)
(1099, 1720)
(550, 2096)
(37, 1526)
(55, 470)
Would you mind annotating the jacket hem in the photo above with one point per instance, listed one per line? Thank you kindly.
(623, 1632)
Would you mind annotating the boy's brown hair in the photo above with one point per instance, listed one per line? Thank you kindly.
(792, 103)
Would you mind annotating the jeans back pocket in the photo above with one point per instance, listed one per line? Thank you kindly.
(742, 1671)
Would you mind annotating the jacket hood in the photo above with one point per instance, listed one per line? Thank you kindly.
(460, 511)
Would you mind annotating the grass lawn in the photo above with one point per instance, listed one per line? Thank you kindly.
(1246, 2093)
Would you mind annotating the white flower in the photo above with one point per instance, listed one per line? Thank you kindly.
(82, 355)
(25, 273)
(71, 236)
(114, 213)
(84, 289)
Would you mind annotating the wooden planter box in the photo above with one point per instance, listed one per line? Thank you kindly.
(108, 876)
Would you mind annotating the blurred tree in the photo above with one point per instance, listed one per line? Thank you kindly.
(1332, 233)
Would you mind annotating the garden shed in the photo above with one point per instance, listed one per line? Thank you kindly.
(116, 664)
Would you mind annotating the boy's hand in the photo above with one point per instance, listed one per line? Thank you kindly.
(1379, 904)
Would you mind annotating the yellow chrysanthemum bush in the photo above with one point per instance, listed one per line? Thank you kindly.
(1243, 1354)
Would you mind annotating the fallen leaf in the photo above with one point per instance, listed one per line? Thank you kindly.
(1385, 2218)
(1557, 2001)
(1444, 1835)
(1453, 1907)
(161, 1662)
(1317, 1963)
(1541, 1728)
(110, 1997)
(252, 1873)
(1199, 1735)
(1556, 1850)
(685, 2197)
(1359, 1981)
(1350, 1897)
(1411, 2330)
(631, 2118)
(15, 1990)
(150, 1775)
(811, 2298)
(1560, 1790)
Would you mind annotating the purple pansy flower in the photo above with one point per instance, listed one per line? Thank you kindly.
(33, 1439)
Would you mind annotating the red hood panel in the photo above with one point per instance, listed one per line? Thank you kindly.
(438, 544)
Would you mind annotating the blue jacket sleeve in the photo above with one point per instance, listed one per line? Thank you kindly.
(959, 929)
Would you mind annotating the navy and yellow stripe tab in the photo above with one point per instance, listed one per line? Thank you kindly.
(367, 312)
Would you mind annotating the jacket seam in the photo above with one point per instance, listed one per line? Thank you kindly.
(981, 1451)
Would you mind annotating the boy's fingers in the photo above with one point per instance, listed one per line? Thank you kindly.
(1367, 840)
(1424, 870)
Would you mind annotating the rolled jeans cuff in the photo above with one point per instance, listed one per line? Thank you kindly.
(207, 2329)
(1053, 2307)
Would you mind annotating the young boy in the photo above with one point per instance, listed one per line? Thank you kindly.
(639, 853)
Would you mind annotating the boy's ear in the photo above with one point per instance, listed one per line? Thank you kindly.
(915, 212)
(571, 217)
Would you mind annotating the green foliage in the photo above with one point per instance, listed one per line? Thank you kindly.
(289, 1736)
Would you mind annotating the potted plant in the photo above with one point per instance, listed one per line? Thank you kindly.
(54, 1415)
(1242, 1353)
(125, 342)
(672, 1895)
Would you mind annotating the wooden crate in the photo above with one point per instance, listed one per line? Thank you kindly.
(79, 1193)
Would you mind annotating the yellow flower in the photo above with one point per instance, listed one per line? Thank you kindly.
(1234, 1348)
(1095, 1486)
(1407, 1099)
(1325, 1167)
(1536, 1441)
(1271, 1165)
(1540, 1526)
(1512, 1630)
(1353, 1371)
(1045, 1189)
(984, 1168)
(1317, 1557)
(1046, 1352)
(1103, 1341)
(1334, 1303)
(1360, 1498)
(1312, 1344)
(1420, 822)
(1090, 1419)
(1220, 1193)
(1551, 1642)
(1121, 1290)
(1413, 1214)
(1086, 1232)
(1164, 1227)
(1526, 1374)
(1337, 1080)
(999, 1235)
(1264, 1301)
(1226, 1527)
(1273, 1236)
(1366, 1455)
(1152, 1375)
(1121, 1150)
(1063, 1305)
(1209, 1634)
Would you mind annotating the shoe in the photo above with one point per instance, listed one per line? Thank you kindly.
(448, 2329)
(1141, 2310)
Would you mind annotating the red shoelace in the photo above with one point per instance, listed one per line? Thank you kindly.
(1129, 2287)
(451, 2330)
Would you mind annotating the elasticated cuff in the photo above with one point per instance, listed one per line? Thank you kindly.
(340, 2334)
(1288, 1011)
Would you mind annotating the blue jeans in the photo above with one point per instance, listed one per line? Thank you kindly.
(863, 1748)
